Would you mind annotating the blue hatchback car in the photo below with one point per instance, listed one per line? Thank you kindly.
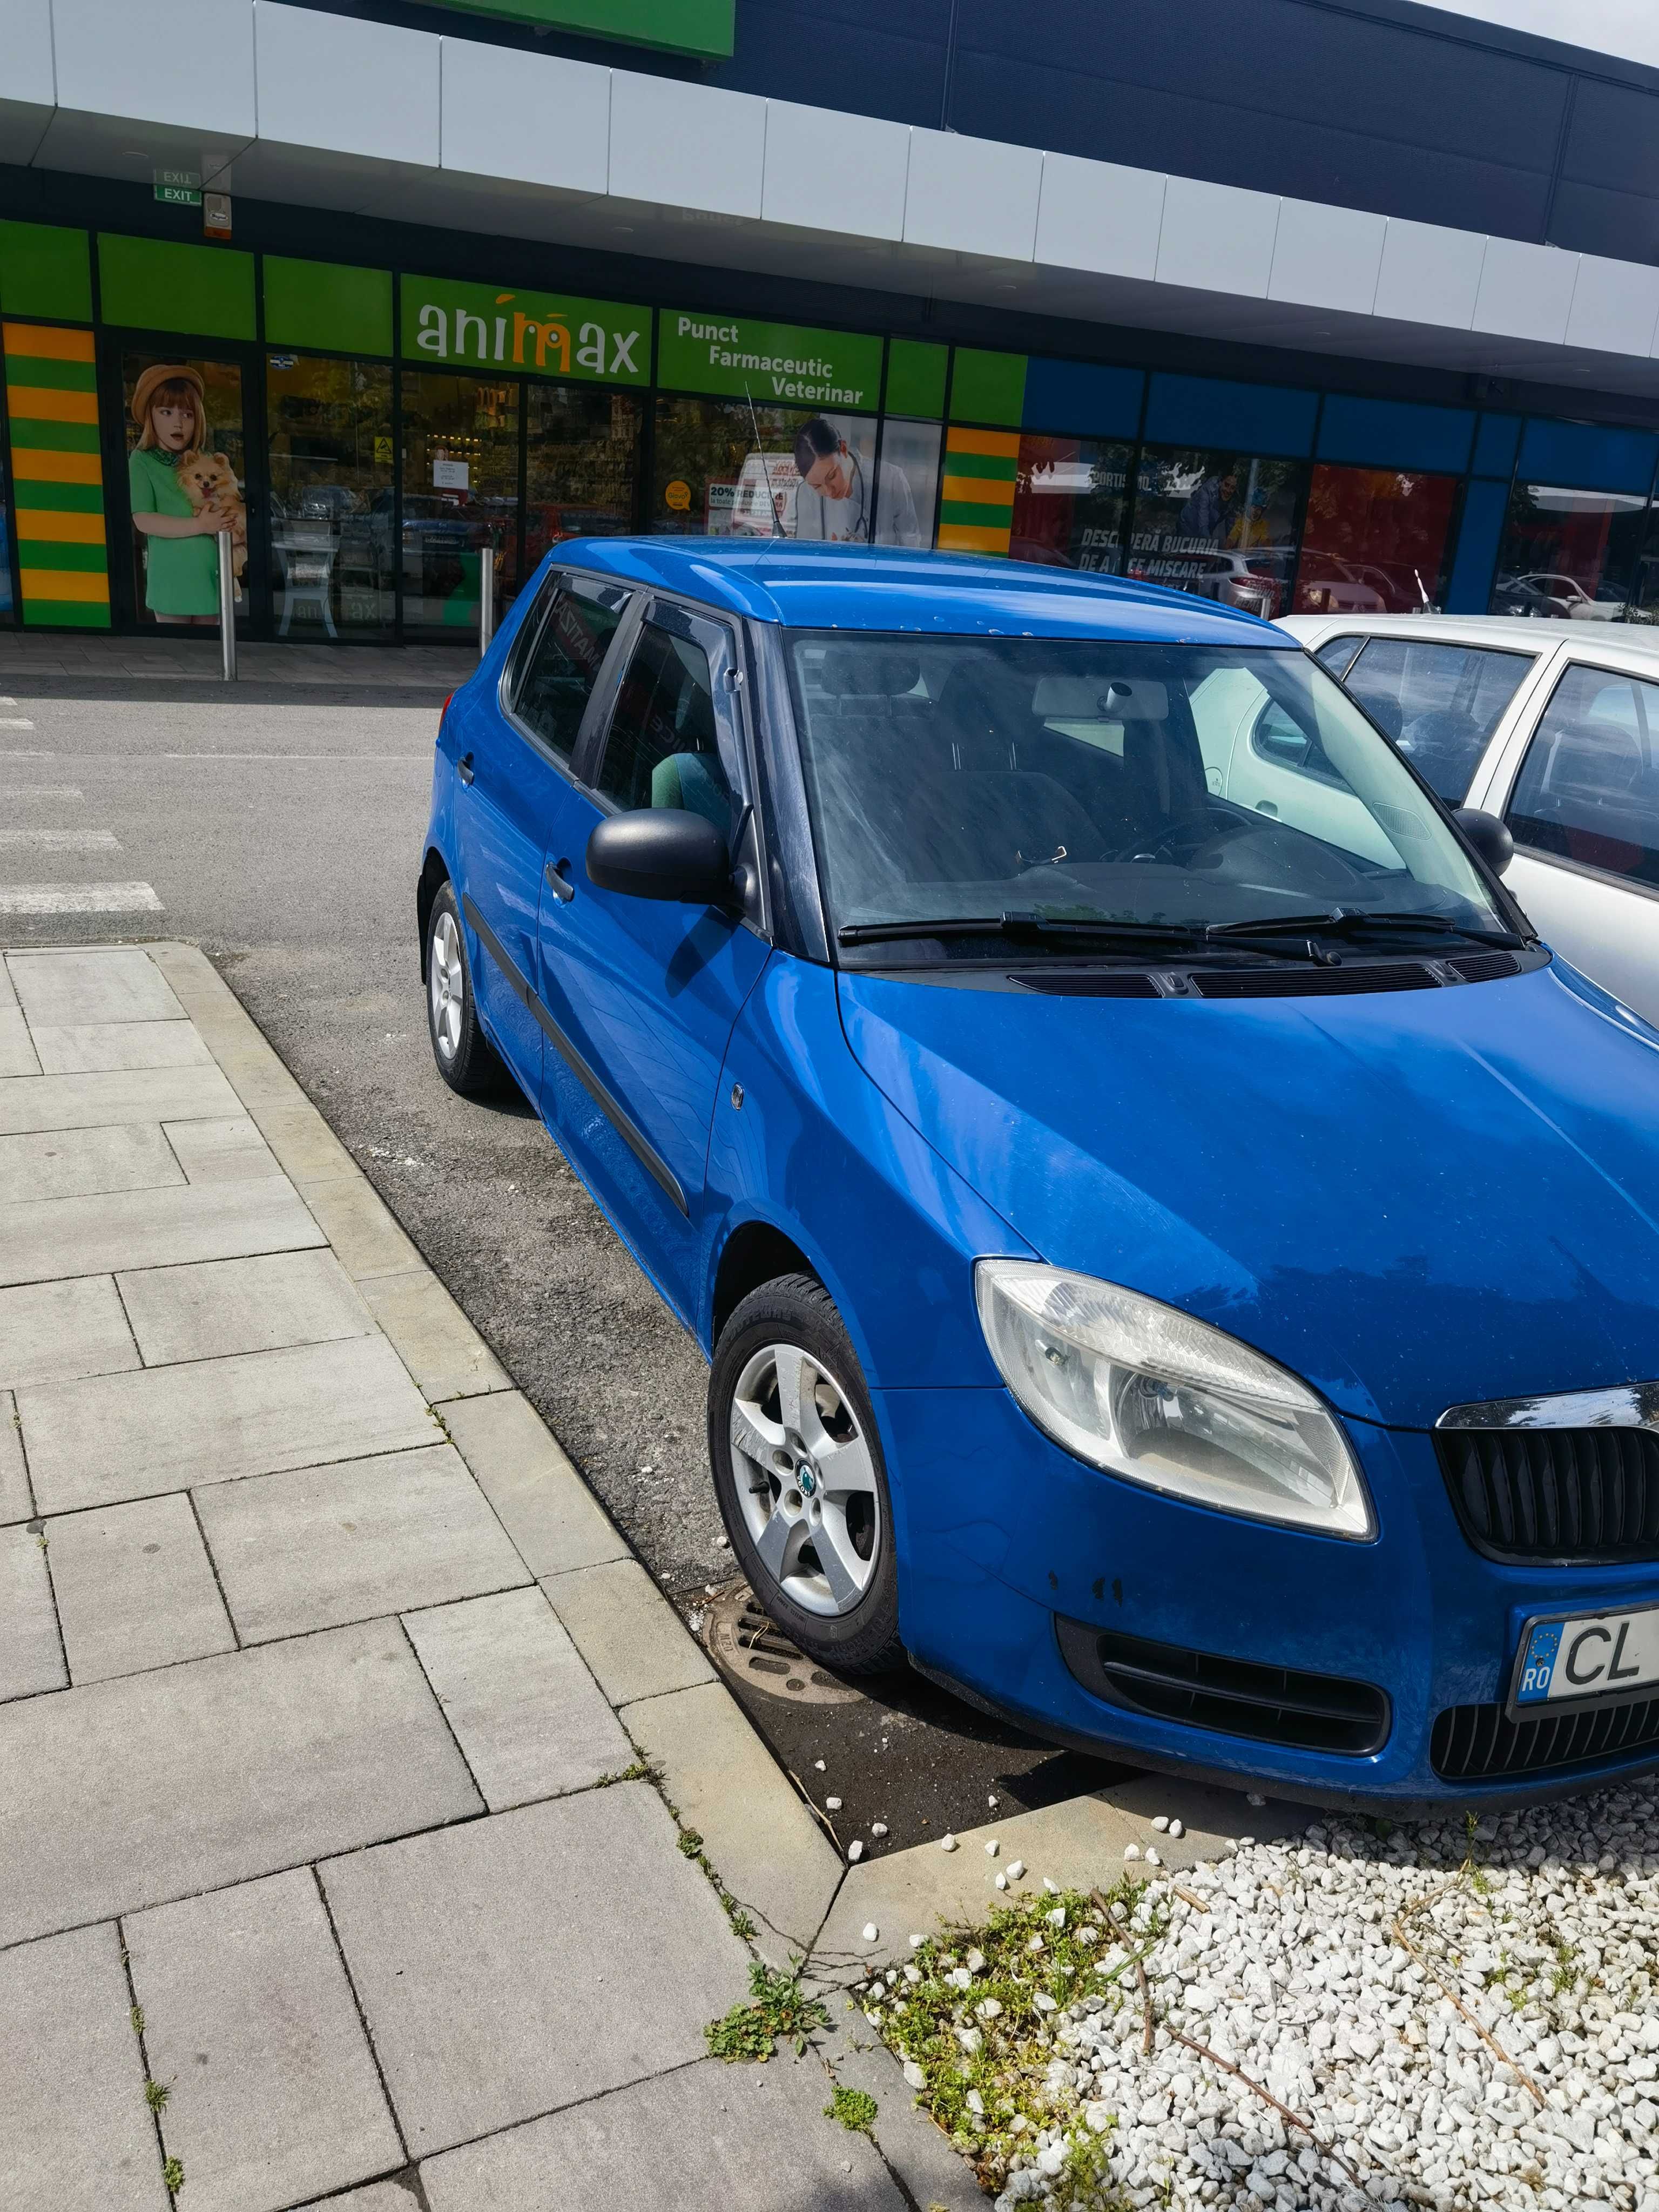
(1182, 1267)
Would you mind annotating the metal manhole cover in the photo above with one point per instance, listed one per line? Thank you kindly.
(745, 1644)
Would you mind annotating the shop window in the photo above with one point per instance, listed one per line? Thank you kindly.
(909, 481)
(724, 470)
(1589, 788)
(1569, 555)
(1070, 497)
(460, 500)
(1220, 524)
(186, 469)
(329, 424)
(8, 612)
(1374, 541)
(582, 464)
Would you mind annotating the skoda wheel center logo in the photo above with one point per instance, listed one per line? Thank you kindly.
(808, 1480)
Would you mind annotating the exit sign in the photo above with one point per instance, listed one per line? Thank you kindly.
(178, 187)
(705, 29)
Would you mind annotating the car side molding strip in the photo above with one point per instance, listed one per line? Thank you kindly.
(651, 1160)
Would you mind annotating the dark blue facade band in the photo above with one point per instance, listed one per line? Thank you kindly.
(1082, 396)
(1240, 418)
(1496, 443)
(1387, 434)
(1484, 507)
(1588, 456)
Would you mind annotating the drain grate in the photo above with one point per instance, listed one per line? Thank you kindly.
(749, 1647)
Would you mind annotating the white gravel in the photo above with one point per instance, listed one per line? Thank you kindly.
(1547, 1927)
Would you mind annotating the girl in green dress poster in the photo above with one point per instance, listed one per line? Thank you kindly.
(180, 554)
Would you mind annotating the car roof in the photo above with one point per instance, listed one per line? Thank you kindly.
(1632, 645)
(892, 588)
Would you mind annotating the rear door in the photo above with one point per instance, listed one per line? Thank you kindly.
(645, 993)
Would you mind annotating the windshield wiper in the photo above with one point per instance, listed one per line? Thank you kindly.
(1017, 925)
(1351, 922)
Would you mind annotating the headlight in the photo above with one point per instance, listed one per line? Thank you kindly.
(1150, 1394)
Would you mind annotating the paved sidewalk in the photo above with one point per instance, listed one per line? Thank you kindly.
(316, 1660)
(53, 657)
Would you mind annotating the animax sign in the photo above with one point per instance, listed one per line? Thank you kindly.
(544, 334)
(774, 364)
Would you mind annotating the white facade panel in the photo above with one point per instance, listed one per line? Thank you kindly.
(1526, 291)
(686, 145)
(1100, 216)
(1615, 306)
(1326, 257)
(25, 76)
(1217, 238)
(193, 68)
(535, 119)
(841, 173)
(1429, 274)
(371, 89)
(973, 196)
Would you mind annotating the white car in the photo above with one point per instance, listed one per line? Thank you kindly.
(1553, 729)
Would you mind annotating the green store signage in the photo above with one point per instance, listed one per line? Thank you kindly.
(478, 327)
(774, 364)
(704, 27)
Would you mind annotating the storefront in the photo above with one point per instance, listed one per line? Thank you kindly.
(372, 436)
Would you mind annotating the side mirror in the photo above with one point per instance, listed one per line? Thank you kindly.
(1488, 836)
(662, 853)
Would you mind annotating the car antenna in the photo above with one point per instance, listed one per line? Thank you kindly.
(771, 504)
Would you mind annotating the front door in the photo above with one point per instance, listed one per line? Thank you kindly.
(184, 460)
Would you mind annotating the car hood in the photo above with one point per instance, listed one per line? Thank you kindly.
(1415, 1200)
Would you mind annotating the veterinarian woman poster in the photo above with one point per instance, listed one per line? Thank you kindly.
(185, 450)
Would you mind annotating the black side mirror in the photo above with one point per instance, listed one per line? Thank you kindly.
(1488, 836)
(662, 853)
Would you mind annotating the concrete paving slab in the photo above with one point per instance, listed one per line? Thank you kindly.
(524, 1708)
(45, 1239)
(378, 2196)
(138, 1094)
(433, 1337)
(307, 1148)
(79, 1163)
(17, 1054)
(917, 2151)
(249, 2016)
(31, 1657)
(364, 1234)
(100, 1048)
(113, 983)
(73, 2120)
(706, 2139)
(172, 1428)
(223, 1307)
(543, 1502)
(518, 1964)
(622, 1625)
(317, 1546)
(16, 1502)
(8, 995)
(131, 1793)
(759, 1837)
(231, 1150)
(135, 1588)
(57, 1332)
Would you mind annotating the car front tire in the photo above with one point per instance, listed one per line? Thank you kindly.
(466, 1060)
(800, 1478)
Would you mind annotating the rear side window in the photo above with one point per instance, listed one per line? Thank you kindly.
(1440, 703)
(1589, 788)
(563, 668)
(662, 748)
(1336, 654)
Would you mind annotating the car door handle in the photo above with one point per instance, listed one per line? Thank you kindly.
(558, 881)
(463, 768)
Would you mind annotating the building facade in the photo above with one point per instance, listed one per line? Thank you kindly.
(1296, 304)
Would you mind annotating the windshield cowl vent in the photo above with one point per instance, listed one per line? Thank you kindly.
(1088, 982)
(1344, 983)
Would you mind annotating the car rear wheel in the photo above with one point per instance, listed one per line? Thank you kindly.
(799, 1476)
(466, 1060)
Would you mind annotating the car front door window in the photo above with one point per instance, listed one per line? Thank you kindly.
(1440, 703)
(664, 745)
(1589, 788)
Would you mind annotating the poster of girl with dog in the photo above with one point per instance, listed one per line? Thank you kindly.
(183, 493)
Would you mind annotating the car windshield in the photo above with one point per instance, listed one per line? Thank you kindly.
(1178, 787)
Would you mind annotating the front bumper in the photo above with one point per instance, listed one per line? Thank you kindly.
(1002, 1535)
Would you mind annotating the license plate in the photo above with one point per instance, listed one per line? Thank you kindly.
(1597, 1658)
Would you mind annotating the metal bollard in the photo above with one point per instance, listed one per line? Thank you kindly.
(227, 604)
(486, 595)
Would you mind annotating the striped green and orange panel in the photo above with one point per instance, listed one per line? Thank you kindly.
(57, 478)
(977, 506)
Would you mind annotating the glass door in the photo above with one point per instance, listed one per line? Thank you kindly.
(459, 504)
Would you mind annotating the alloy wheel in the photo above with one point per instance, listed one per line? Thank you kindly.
(447, 985)
(805, 1481)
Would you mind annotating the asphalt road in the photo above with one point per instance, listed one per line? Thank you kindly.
(283, 830)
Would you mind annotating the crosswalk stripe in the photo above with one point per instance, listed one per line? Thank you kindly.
(53, 791)
(61, 840)
(79, 898)
(15, 722)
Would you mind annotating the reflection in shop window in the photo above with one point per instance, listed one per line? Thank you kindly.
(724, 470)
(1220, 524)
(460, 500)
(1569, 555)
(1070, 498)
(330, 430)
(7, 612)
(1374, 542)
(582, 464)
(187, 471)
(908, 481)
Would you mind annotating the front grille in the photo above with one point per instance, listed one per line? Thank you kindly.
(1572, 1496)
(1310, 982)
(1234, 1697)
(1478, 1742)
